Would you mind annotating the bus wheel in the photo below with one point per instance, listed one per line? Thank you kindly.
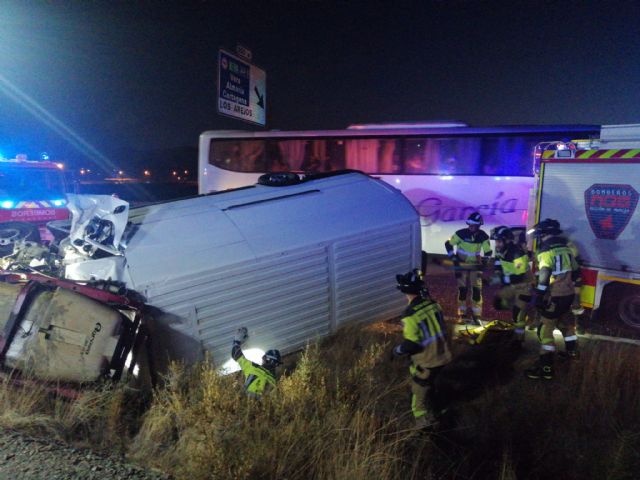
(12, 232)
(278, 179)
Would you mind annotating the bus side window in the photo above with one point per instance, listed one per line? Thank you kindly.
(274, 159)
(362, 154)
(389, 156)
(421, 155)
(335, 155)
(252, 155)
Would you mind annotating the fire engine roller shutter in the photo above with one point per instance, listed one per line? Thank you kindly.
(563, 198)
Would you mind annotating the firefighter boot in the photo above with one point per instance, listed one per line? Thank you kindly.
(543, 369)
(426, 423)
(571, 350)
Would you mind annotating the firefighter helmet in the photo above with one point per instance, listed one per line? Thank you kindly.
(503, 233)
(272, 358)
(548, 226)
(411, 283)
(475, 219)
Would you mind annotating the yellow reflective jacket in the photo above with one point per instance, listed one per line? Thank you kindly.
(557, 267)
(469, 246)
(257, 379)
(513, 265)
(424, 332)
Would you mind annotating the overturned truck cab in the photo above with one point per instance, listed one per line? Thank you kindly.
(291, 258)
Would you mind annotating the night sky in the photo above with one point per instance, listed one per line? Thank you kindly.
(91, 80)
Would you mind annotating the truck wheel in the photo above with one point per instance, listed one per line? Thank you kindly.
(629, 309)
(279, 179)
(620, 304)
(11, 232)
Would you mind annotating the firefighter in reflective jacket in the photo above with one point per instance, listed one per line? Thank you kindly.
(558, 271)
(511, 267)
(258, 378)
(466, 248)
(424, 333)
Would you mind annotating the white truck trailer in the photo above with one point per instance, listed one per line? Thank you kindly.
(591, 187)
(290, 259)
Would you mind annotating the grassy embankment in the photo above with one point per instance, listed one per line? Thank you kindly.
(342, 413)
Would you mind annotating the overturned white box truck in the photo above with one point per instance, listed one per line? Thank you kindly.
(292, 259)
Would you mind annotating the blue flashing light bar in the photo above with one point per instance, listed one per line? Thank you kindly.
(7, 204)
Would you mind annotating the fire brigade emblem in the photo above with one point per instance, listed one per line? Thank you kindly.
(609, 208)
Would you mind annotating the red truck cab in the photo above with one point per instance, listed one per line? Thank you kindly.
(31, 193)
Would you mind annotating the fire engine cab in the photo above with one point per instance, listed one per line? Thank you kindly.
(591, 187)
(32, 193)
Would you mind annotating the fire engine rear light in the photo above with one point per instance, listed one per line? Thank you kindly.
(7, 204)
(58, 202)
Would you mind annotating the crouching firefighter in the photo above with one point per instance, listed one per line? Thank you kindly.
(465, 248)
(425, 341)
(258, 379)
(512, 269)
(554, 295)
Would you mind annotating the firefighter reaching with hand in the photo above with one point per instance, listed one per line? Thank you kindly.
(554, 295)
(425, 341)
(469, 248)
(512, 269)
(258, 378)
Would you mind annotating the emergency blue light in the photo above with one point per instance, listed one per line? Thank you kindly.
(7, 204)
(58, 202)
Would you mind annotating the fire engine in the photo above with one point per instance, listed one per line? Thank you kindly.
(32, 193)
(591, 187)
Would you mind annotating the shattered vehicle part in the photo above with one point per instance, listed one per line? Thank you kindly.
(98, 222)
(14, 232)
(57, 330)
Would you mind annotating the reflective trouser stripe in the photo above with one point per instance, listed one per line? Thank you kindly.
(420, 386)
(571, 338)
(470, 280)
(549, 348)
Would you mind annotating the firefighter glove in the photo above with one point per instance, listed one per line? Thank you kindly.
(241, 335)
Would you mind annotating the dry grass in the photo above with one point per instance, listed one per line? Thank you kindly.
(342, 412)
(103, 416)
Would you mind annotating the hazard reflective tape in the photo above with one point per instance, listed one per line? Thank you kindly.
(549, 348)
(609, 153)
(587, 295)
(571, 338)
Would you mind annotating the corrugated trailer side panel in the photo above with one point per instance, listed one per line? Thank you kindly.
(283, 300)
(288, 299)
(365, 270)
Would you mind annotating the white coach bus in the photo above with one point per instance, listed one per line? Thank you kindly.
(446, 170)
